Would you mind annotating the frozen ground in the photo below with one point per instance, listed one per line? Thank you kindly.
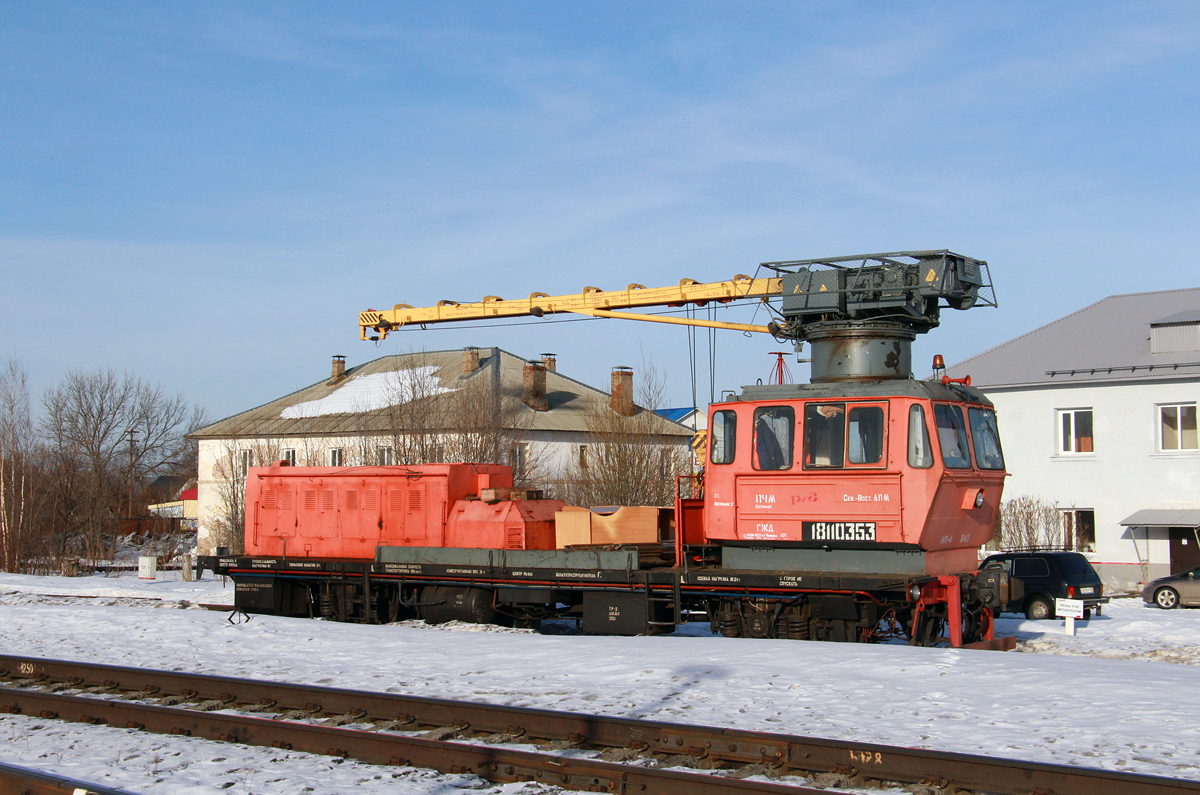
(1119, 695)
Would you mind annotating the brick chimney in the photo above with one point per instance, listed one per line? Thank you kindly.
(549, 362)
(533, 392)
(339, 368)
(622, 391)
(470, 360)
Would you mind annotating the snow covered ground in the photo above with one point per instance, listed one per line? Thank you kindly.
(1120, 695)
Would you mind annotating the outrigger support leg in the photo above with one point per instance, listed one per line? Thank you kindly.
(954, 612)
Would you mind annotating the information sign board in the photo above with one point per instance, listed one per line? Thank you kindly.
(1068, 608)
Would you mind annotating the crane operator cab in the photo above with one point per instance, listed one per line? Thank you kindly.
(850, 478)
(865, 469)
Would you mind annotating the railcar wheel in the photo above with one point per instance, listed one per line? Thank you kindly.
(1038, 608)
(975, 624)
(1166, 598)
(928, 627)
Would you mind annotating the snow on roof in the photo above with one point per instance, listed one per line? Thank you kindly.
(371, 392)
(358, 403)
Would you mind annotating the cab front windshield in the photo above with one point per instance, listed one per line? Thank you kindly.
(986, 438)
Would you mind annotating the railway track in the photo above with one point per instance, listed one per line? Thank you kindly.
(453, 736)
(26, 781)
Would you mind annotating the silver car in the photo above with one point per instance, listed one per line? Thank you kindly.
(1171, 592)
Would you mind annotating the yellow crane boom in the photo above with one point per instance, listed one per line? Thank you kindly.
(376, 323)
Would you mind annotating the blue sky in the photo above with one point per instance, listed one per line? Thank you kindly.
(207, 194)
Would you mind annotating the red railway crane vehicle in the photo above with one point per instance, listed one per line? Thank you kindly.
(850, 508)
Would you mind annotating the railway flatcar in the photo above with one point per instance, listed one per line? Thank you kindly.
(847, 509)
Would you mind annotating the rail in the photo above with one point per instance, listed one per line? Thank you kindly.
(28, 781)
(724, 750)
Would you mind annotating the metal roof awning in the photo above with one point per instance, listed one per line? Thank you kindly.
(1163, 517)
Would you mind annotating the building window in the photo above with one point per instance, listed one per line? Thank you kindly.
(1075, 431)
(518, 459)
(383, 456)
(1079, 530)
(244, 463)
(666, 470)
(335, 457)
(1177, 427)
(288, 455)
(583, 456)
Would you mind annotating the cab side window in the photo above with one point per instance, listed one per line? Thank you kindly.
(774, 435)
(920, 454)
(724, 433)
(825, 434)
(865, 437)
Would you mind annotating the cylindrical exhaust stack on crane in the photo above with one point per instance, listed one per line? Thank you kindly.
(860, 352)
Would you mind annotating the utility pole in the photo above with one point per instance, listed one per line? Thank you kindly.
(131, 436)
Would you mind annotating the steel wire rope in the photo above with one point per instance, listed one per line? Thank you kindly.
(691, 337)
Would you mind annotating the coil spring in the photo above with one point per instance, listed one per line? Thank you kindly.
(730, 624)
(327, 604)
(797, 627)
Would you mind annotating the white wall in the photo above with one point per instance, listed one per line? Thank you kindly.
(1125, 473)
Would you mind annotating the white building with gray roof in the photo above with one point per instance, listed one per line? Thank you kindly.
(1098, 416)
(478, 404)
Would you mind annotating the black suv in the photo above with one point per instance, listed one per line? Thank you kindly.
(1048, 576)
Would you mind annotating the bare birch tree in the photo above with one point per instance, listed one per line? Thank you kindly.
(106, 434)
(414, 413)
(627, 460)
(18, 468)
(234, 459)
(1029, 522)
